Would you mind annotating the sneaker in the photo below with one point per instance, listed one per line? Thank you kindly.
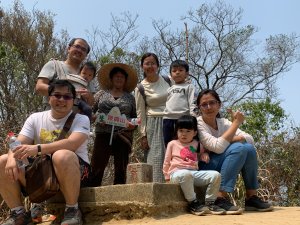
(230, 209)
(72, 216)
(254, 203)
(196, 208)
(37, 211)
(214, 209)
(23, 218)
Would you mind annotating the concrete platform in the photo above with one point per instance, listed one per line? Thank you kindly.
(126, 201)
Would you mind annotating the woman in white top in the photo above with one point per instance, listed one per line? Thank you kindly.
(231, 151)
(150, 109)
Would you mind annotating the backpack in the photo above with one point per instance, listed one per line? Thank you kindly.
(142, 89)
(76, 80)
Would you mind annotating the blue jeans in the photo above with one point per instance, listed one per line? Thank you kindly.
(238, 157)
(190, 178)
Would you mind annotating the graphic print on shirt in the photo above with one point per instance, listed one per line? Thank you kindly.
(188, 153)
(49, 136)
(178, 91)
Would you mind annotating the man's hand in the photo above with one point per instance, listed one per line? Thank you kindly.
(24, 151)
(86, 95)
(11, 168)
(82, 91)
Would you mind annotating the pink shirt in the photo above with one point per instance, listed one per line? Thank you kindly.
(180, 156)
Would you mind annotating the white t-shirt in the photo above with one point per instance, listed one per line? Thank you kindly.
(43, 128)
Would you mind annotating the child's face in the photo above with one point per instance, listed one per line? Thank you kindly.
(179, 74)
(186, 135)
(87, 74)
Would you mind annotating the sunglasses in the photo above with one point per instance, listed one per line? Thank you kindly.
(65, 97)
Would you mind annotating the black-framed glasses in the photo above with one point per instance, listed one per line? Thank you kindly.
(211, 103)
(65, 97)
(79, 48)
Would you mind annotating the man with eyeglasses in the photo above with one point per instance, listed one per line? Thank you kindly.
(69, 155)
(78, 49)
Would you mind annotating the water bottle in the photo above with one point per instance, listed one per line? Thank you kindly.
(135, 121)
(13, 143)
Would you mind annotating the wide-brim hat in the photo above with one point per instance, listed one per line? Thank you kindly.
(105, 81)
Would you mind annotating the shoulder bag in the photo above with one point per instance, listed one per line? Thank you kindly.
(41, 181)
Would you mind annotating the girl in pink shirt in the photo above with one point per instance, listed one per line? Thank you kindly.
(181, 167)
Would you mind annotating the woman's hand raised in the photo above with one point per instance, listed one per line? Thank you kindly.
(237, 116)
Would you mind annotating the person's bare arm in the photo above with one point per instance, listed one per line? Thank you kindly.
(238, 138)
(237, 120)
(87, 96)
(11, 168)
(41, 86)
(71, 143)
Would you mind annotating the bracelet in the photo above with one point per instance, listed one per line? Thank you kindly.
(39, 150)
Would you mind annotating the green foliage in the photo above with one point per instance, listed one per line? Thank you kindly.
(277, 149)
(265, 122)
(14, 101)
(104, 60)
(221, 55)
(264, 119)
(27, 42)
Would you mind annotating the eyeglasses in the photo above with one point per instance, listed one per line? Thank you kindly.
(211, 103)
(79, 48)
(150, 64)
(65, 97)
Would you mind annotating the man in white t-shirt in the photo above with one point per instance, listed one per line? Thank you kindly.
(69, 155)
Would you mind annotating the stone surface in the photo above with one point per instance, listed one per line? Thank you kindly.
(128, 201)
(152, 193)
(139, 173)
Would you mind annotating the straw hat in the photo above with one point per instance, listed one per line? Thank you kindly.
(104, 79)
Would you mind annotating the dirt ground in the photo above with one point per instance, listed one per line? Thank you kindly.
(280, 216)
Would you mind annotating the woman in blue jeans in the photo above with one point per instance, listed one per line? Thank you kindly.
(231, 151)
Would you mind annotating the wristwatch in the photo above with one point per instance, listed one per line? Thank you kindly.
(39, 150)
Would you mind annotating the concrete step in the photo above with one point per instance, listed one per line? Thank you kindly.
(126, 201)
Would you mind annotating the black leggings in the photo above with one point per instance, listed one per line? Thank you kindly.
(101, 153)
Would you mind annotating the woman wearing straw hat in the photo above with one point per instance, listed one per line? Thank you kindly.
(117, 81)
(151, 102)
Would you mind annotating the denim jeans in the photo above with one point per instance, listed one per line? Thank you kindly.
(190, 178)
(238, 157)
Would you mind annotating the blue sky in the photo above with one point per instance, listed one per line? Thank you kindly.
(269, 16)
